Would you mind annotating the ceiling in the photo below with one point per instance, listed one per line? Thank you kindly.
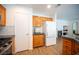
(42, 9)
(66, 11)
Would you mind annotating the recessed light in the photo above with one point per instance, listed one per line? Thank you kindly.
(48, 6)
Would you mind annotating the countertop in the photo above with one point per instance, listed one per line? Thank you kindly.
(71, 37)
(38, 33)
(6, 36)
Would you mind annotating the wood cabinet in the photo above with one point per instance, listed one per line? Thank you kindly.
(2, 15)
(77, 47)
(38, 21)
(38, 40)
(68, 46)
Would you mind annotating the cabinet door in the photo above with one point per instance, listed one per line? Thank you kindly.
(67, 45)
(35, 41)
(73, 47)
(41, 40)
(38, 40)
(35, 21)
(3, 16)
(0, 15)
(67, 50)
(76, 47)
(38, 21)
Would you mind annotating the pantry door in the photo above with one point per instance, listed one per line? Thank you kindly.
(22, 31)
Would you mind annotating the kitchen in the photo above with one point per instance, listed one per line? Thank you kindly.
(44, 28)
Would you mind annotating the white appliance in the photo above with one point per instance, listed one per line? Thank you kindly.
(50, 33)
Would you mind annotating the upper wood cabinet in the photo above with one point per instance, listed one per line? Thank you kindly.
(2, 15)
(38, 21)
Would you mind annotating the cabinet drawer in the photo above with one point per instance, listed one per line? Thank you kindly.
(67, 48)
(67, 44)
(67, 41)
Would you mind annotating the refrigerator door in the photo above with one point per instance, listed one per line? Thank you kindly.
(50, 28)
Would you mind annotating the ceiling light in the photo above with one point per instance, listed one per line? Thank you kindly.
(48, 6)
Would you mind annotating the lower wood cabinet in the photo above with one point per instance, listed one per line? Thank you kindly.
(77, 47)
(69, 46)
(38, 40)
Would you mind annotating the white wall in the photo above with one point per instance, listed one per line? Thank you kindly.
(9, 29)
(64, 22)
(61, 23)
(66, 14)
(67, 11)
(9, 15)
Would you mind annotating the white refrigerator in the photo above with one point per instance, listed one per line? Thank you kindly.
(50, 32)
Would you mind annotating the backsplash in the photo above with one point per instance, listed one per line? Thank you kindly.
(37, 29)
(8, 30)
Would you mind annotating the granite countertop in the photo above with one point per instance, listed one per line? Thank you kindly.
(71, 37)
(6, 36)
(38, 33)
